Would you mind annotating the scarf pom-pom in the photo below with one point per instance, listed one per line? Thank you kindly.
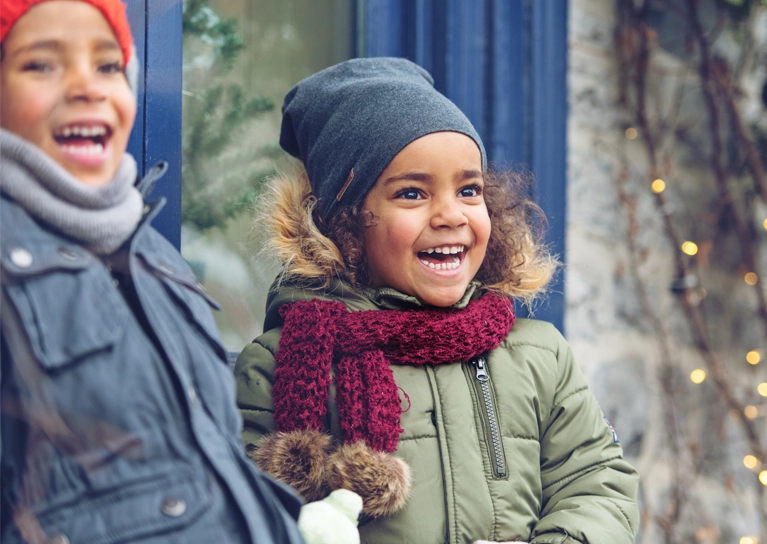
(297, 458)
(382, 480)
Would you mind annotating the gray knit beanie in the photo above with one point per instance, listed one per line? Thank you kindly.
(346, 123)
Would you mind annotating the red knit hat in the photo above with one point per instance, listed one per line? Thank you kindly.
(112, 10)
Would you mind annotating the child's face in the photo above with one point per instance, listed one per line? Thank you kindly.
(432, 230)
(63, 88)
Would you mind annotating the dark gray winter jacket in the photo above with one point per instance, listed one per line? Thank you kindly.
(118, 419)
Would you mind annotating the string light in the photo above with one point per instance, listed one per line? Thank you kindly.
(764, 224)
(753, 357)
(763, 477)
(762, 389)
(750, 461)
(751, 278)
(748, 540)
(690, 248)
(698, 375)
(631, 133)
(658, 186)
(751, 412)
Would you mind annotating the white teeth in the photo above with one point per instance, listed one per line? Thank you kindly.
(85, 132)
(443, 266)
(83, 149)
(446, 250)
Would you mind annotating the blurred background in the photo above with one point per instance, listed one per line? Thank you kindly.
(645, 124)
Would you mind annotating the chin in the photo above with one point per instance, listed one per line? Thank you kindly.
(442, 300)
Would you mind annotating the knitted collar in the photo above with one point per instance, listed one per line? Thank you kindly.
(101, 218)
(364, 344)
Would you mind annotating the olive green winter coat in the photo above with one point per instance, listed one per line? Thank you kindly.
(553, 474)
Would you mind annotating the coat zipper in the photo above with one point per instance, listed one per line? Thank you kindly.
(492, 430)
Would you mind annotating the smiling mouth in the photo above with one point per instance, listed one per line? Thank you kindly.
(443, 257)
(83, 139)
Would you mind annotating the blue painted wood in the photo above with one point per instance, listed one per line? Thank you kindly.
(503, 62)
(549, 131)
(508, 135)
(383, 29)
(136, 10)
(156, 135)
(466, 63)
(162, 117)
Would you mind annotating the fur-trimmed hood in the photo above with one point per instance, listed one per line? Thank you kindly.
(314, 261)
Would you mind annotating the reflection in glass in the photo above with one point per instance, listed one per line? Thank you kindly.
(240, 58)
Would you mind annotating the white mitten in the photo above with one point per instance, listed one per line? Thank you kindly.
(333, 520)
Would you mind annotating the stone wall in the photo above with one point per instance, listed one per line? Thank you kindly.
(605, 323)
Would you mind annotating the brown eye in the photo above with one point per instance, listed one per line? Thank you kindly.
(111, 68)
(470, 191)
(37, 66)
(409, 194)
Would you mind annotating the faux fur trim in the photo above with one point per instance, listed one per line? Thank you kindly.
(291, 235)
(299, 459)
(382, 480)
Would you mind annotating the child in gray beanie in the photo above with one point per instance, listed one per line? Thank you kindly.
(392, 363)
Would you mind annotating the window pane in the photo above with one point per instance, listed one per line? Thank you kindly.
(240, 58)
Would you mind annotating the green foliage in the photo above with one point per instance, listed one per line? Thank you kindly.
(217, 113)
(739, 9)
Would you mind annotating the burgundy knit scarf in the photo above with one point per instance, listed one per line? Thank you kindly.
(365, 344)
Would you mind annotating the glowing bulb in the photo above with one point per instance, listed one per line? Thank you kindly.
(753, 357)
(762, 389)
(690, 248)
(747, 540)
(631, 133)
(658, 186)
(751, 412)
(763, 477)
(764, 224)
(750, 461)
(751, 278)
(698, 375)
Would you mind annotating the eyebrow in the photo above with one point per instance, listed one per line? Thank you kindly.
(419, 176)
(57, 45)
(42, 44)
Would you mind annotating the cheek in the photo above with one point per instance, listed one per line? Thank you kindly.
(125, 104)
(482, 230)
(23, 113)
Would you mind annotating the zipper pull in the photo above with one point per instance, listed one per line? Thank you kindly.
(482, 374)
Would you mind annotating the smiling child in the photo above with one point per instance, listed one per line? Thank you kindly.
(117, 422)
(392, 363)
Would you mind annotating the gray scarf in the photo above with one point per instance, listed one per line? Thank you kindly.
(100, 218)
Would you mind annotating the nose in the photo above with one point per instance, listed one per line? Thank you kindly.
(83, 83)
(448, 214)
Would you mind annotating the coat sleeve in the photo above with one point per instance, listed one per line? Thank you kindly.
(254, 373)
(589, 491)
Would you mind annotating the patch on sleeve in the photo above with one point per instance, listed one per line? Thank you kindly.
(615, 435)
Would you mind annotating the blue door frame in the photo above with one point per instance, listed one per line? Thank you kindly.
(156, 136)
(503, 62)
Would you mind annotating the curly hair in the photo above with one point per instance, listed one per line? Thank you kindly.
(516, 263)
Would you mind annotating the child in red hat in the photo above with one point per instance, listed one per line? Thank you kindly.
(117, 422)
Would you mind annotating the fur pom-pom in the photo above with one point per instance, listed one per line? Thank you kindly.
(382, 480)
(297, 458)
